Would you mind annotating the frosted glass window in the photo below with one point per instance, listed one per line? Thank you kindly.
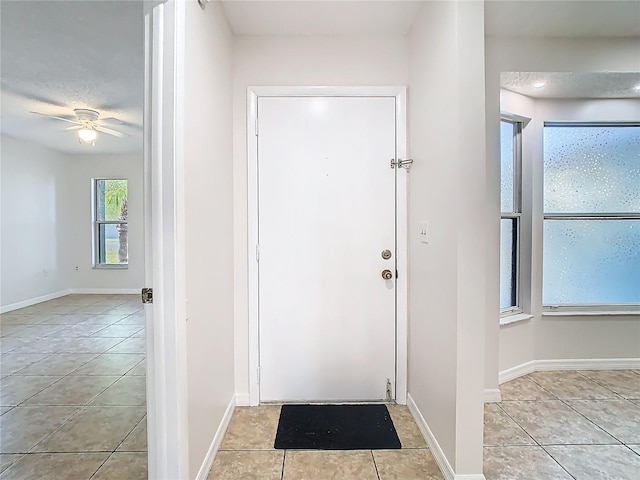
(591, 249)
(591, 169)
(591, 262)
(508, 263)
(510, 160)
(507, 172)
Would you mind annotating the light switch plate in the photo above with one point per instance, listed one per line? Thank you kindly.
(423, 231)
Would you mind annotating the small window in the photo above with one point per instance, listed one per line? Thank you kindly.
(110, 223)
(591, 249)
(510, 217)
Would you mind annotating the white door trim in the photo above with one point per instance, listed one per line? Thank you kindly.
(167, 418)
(400, 94)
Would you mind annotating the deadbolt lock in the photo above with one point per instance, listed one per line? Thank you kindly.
(387, 275)
(386, 254)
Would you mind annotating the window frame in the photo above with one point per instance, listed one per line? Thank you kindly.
(516, 214)
(594, 308)
(96, 224)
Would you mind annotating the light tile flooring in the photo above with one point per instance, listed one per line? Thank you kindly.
(72, 390)
(565, 425)
(247, 453)
(549, 426)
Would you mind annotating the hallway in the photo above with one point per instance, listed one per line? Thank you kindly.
(247, 453)
(559, 425)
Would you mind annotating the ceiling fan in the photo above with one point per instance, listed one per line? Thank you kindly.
(88, 124)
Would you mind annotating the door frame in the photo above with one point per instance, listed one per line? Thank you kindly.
(400, 95)
(163, 132)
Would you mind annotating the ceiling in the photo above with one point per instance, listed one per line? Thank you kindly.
(60, 55)
(320, 17)
(573, 84)
(567, 18)
(556, 18)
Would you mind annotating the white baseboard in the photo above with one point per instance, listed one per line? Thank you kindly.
(217, 440)
(33, 301)
(516, 372)
(568, 364)
(434, 446)
(492, 395)
(243, 400)
(105, 291)
(52, 296)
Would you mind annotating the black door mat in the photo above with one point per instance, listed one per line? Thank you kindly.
(336, 427)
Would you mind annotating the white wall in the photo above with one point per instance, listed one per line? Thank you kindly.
(79, 172)
(47, 222)
(447, 189)
(264, 61)
(32, 220)
(208, 190)
(569, 337)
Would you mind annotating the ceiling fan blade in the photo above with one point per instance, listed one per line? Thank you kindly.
(118, 122)
(75, 127)
(111, 120)
(108, 131)
(58, 118)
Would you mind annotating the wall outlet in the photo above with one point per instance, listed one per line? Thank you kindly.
(77, 269)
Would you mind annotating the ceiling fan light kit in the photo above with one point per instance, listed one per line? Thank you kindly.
(87, 135)
(88, 125)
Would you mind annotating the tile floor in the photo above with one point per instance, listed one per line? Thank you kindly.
(549, 426)
(565, 425)
(72, 390)
(73, 407)
(247, 453)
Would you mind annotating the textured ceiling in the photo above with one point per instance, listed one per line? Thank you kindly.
(59, 55)
(555, 18)
(563, 18)
(321, 17)
(573, 84)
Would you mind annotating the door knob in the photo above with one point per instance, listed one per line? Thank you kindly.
(387, 275)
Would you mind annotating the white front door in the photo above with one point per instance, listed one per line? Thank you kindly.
(326, 212)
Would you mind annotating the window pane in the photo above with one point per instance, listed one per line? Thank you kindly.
(111, 200)
(591, 169)
(112, 244)
(508, 264)
(591, 262)
(506, 166)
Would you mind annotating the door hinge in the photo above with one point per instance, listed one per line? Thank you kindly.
(257, 253)
(256, 126)
(147, 295)
(389, 392)
(258, 374)
(406, 164)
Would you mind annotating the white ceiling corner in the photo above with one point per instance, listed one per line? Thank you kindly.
(60, 55)
(568, 85)
(321, 17)
(562, 18)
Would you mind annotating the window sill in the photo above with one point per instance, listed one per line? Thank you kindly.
(111, 267)
(520, 317)
(590, 313)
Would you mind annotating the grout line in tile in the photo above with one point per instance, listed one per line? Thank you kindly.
(591, 421)
(599, 383)
(518, 423)
(561, 466)
(100, 466)
(284, 459)
(375, 465)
